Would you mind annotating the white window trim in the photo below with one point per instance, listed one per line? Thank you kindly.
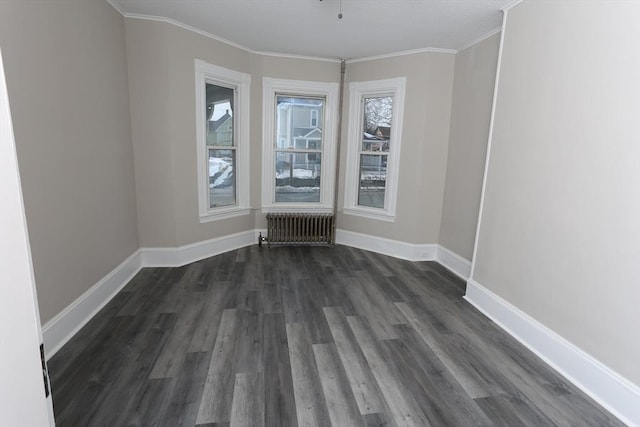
(271, 87)
(241, 82)
(358, 90)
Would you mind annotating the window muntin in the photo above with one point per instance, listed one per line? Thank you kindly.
(222, 124)
(375, 124)
(298, 167)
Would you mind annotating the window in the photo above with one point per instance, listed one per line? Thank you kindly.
(375, 134)
(299, 145)
(222, 124)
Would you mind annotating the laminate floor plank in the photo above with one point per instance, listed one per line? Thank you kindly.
(247, 408)
(403, 407)
(119, 408)
(311, 407)
(442, 399)
(304, 336)
(508, 411)
(473, 381)
(376, 420)
(358, 372)
(280, 410)
(369, 308)
(215, 405)
(171, 358)
(341, 404)
(209, 308)
(184, 402)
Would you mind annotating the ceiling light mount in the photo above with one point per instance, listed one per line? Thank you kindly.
(339, 10)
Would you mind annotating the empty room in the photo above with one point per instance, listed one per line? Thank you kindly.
(320, 213)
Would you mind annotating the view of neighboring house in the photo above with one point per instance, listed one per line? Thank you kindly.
(299, 143)
(220, 131)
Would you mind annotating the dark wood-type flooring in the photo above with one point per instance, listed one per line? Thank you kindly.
(304, 336)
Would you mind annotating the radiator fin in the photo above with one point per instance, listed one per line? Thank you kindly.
(300, 229)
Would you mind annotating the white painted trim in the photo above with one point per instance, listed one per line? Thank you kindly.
(68, 322)
(402, 53)
(216, 38)
(274, 54)
(381, 245)
(454, 262)
(294, 56)
(615, 393)
(117, 7)
(188, 28)
(487, 160)
(394, 87)
(175, 257)
(365, 212)
(271, 87)
(511, 5)
(479, 39)
(241, 85)
(23, 375)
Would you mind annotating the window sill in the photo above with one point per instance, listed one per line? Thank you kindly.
(376, 214)
(297, 209)
(224, 213)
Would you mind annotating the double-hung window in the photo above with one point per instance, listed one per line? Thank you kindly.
(374, 137)
(298, 145)
(222, 124)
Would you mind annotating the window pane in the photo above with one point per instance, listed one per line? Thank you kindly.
(373, 180)
(298, 119)
(377, 115)
(298, 177)
(219, 115)
(222, 179)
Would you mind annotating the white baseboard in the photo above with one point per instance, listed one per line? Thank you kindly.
(395, 248)
(69, 321)
(454, 262)
(57, 331)
(615, 393)
(182, 255)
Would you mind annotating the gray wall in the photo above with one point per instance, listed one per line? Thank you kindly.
(560, 228)
(162, 80)
(474, 78)
(67, 81)
(423, 155)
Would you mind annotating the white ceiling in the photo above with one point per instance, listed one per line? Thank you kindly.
(312, 28)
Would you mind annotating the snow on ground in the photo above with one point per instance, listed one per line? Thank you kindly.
(373, 176)
(297, 173)
(291, 189)
(221, 170)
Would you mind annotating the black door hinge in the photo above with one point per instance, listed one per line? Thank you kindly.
(45, 374)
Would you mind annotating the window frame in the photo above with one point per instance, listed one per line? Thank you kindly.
(357, 92)
(241, 84)
(272, 87)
